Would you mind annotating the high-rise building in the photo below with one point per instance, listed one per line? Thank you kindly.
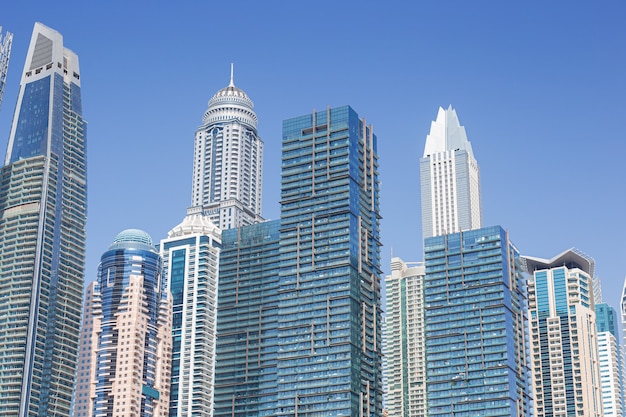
(247, 322)
(5, 55)
(476, 319)
(611, 356)
(450, 179)
(404, 349)
(125, 335)
(564, 347)
(228, 160)
(43, 198)
(329, 308)
(190, 267)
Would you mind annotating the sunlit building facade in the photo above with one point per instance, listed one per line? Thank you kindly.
(476, 319)
(5, 55)
(43, 205)
(611, 357)
(228, 160)
(329, 305)
(449, 178)
(190, 268)
(404, 340)
(126, 334)
(564, 348)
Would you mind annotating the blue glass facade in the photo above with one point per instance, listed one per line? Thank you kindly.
(476, 326)
(43, 196)
(329, 308)
(247, 345)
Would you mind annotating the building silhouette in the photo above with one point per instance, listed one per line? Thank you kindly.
(126, 334)
(43, 198)
(228, 160)
(5, 55)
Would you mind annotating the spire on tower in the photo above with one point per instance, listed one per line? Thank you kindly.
(232, 70)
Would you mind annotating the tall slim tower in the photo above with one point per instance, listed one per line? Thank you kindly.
(566, 377)
(329, 308)
(126, 338)
(190, 266)
(228, 160)
(477, 361)
(405, 340)
(450, 179)
(5, 54)
(611, 354)
(43, 198)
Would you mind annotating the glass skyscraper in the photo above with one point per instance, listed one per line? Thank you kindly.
(611, 356)
(247, 322)
(124, 361)
(5, 54)
(43, 197)
(190, 266)
(564, 347)
(450, 179)
(329, 307)
(476, 319)
(228, 160)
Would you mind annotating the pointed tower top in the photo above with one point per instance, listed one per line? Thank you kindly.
(232, 71)
(446, 134)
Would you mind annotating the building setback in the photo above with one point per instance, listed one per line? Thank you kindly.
(405, 340)
(228, 160)
(125, 338)
(190, 267)
(477, 360)
(329, 307)
(564, 346)
(449, 178)
(43, 199)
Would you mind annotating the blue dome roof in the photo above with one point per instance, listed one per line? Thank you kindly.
(132, 239)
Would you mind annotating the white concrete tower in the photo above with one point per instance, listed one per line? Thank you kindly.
(228, 160)
(450, 179)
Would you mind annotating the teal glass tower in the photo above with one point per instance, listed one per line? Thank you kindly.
(247, 322)
(476, 322)
(329, 307)
(43, 198)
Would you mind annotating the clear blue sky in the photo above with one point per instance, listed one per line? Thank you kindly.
(539, 86)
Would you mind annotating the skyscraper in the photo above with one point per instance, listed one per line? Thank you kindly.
(450, 179)
(247, 322)
(5, 54)
(126, 334)
(611, 354)
(329, 307)
(476, 319)
(405, 354)
(43, 196)
(228, 160)
(563, 331)
(190, 267)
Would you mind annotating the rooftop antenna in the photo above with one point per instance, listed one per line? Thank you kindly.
(232, 70)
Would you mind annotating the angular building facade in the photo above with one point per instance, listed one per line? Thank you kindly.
(450, 179)
(190, 267)
(247, 322)
(43, 199)
(611, 356)
(476, 320)
(228, 160)
(405, 350)
(329, 306)
(566, 374)
(5, 55)
(126, 334)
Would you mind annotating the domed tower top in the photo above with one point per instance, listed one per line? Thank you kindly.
(132, 239)
(231, 103)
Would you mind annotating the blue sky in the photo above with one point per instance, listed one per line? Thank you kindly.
(539, 86)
